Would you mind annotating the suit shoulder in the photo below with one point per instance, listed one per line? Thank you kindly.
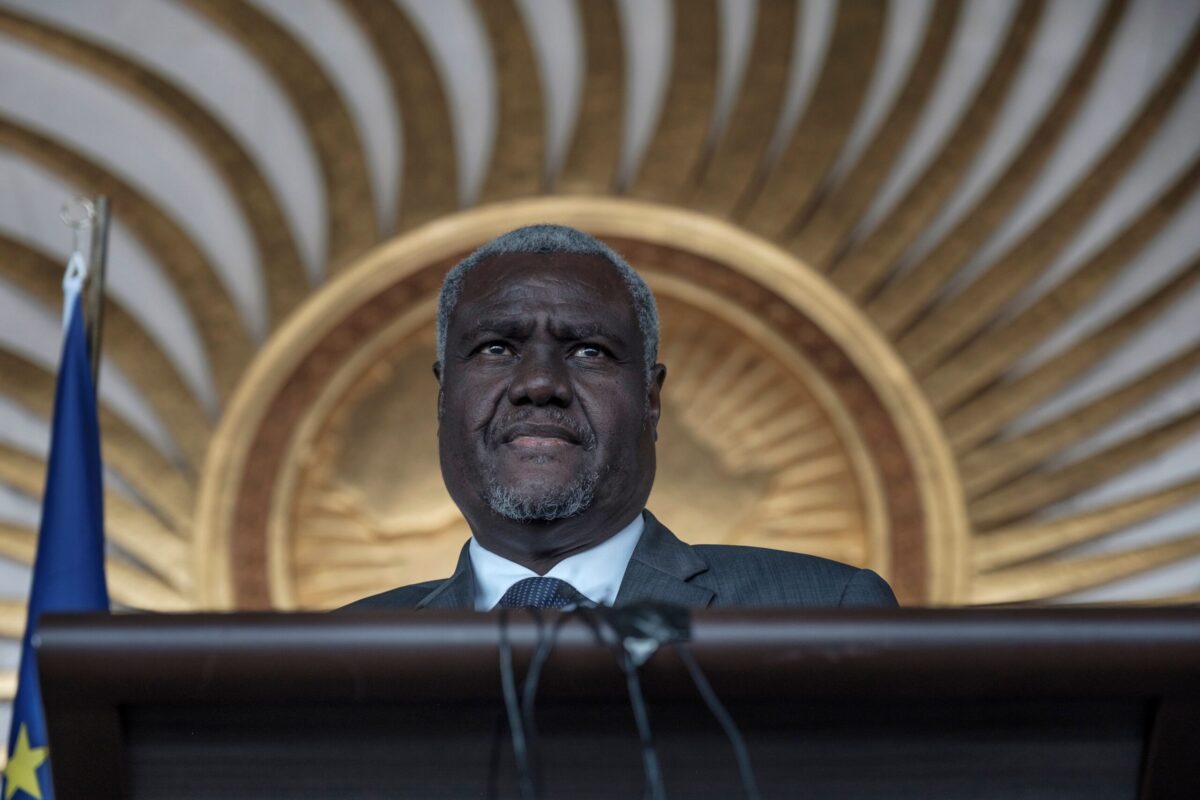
(398, 598)
(761, 576)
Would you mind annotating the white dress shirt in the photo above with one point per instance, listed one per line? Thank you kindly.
(596, 573)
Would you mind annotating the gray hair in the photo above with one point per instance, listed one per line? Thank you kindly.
(553, 239)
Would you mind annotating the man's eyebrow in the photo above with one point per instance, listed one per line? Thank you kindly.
(504, 326)
(585, 330)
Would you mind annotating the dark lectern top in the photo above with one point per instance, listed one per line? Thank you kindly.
(842, 703)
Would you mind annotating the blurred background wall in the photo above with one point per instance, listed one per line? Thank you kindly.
(928, 272)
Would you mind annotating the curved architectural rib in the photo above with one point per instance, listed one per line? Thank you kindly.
(941, 331)
(825, 232)
(686, 114)
(727, 172)
(517, 155)
(591, 163)
(901, 301)
(987, 414)
(989, 355)
(130, 527)
(1026, 542)
(1039, 489)
(127, 585)
(278, 256)
(1049, 578)
(429, 183)
(790, 184)
(131, 348)
(860, 268)
(137, 462)
(221, 328)
(351, 208)
(991, 466)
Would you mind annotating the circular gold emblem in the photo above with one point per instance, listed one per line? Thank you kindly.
(788, 422)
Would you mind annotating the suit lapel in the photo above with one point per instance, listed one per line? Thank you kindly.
(661, 570)
(457, 591)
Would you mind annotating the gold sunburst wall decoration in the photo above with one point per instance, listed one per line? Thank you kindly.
(928, 275)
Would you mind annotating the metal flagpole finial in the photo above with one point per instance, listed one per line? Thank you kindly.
(81, 214)
(78, 214)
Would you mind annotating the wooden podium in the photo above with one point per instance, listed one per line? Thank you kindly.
(910, 703)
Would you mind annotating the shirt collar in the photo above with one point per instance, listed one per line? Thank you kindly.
(595, 573)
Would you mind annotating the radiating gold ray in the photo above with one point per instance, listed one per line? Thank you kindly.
(350, 207)
(694, 362)
(1050, 578)
(858, 269)
(138, 463)
(324, 582)
(221, 329)
(811, 470)
(833, 218)
(989, 355)
(987, 414)
(741, 395)
(591, 163)
(1034, 540)
(278, 256)
(721, 379)
(133, 350)
(724, 175)
(127, 525)
(429, 179)
(1039, 489)
(12, 621)
(771, 207)
(946, 327)
(991, 466)
(812, 522)
(900, 301)
(519, 148)
(780, 453)
(127, 585)
(767, 406)
(813, 496)
(783, 428)
(315, 556)
(686, 113)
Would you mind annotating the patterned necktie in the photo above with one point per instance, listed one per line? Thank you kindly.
(542, 593)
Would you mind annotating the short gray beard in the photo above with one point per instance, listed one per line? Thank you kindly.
(563, 503)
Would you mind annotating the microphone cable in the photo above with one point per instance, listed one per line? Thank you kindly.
(655, 788)
(533, 677)
(740, 751)
(512, 707)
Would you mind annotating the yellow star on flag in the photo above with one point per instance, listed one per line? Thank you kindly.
(21, 770)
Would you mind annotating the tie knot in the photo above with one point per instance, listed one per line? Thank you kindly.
(541, 593)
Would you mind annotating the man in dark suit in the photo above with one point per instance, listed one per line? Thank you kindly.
(548, 411)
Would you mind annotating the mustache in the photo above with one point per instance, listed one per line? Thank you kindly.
(581, 432)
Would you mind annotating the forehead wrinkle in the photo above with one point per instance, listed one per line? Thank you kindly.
(591, 329)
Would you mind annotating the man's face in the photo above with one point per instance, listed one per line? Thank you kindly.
(544, 409)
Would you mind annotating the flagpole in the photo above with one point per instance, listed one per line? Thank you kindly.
(97, 261)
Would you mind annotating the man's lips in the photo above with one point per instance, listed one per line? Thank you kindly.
(539, 435)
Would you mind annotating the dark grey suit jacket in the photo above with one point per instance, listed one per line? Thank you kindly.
(666, 570)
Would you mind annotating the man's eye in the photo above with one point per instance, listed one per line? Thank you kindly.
(494, 349)
(588, 351)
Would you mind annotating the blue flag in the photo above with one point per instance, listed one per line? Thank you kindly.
(68, 573)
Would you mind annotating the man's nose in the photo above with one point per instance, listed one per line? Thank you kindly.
(541, 379)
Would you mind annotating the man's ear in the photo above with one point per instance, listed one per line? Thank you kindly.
(437, 373)
(658, 376)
